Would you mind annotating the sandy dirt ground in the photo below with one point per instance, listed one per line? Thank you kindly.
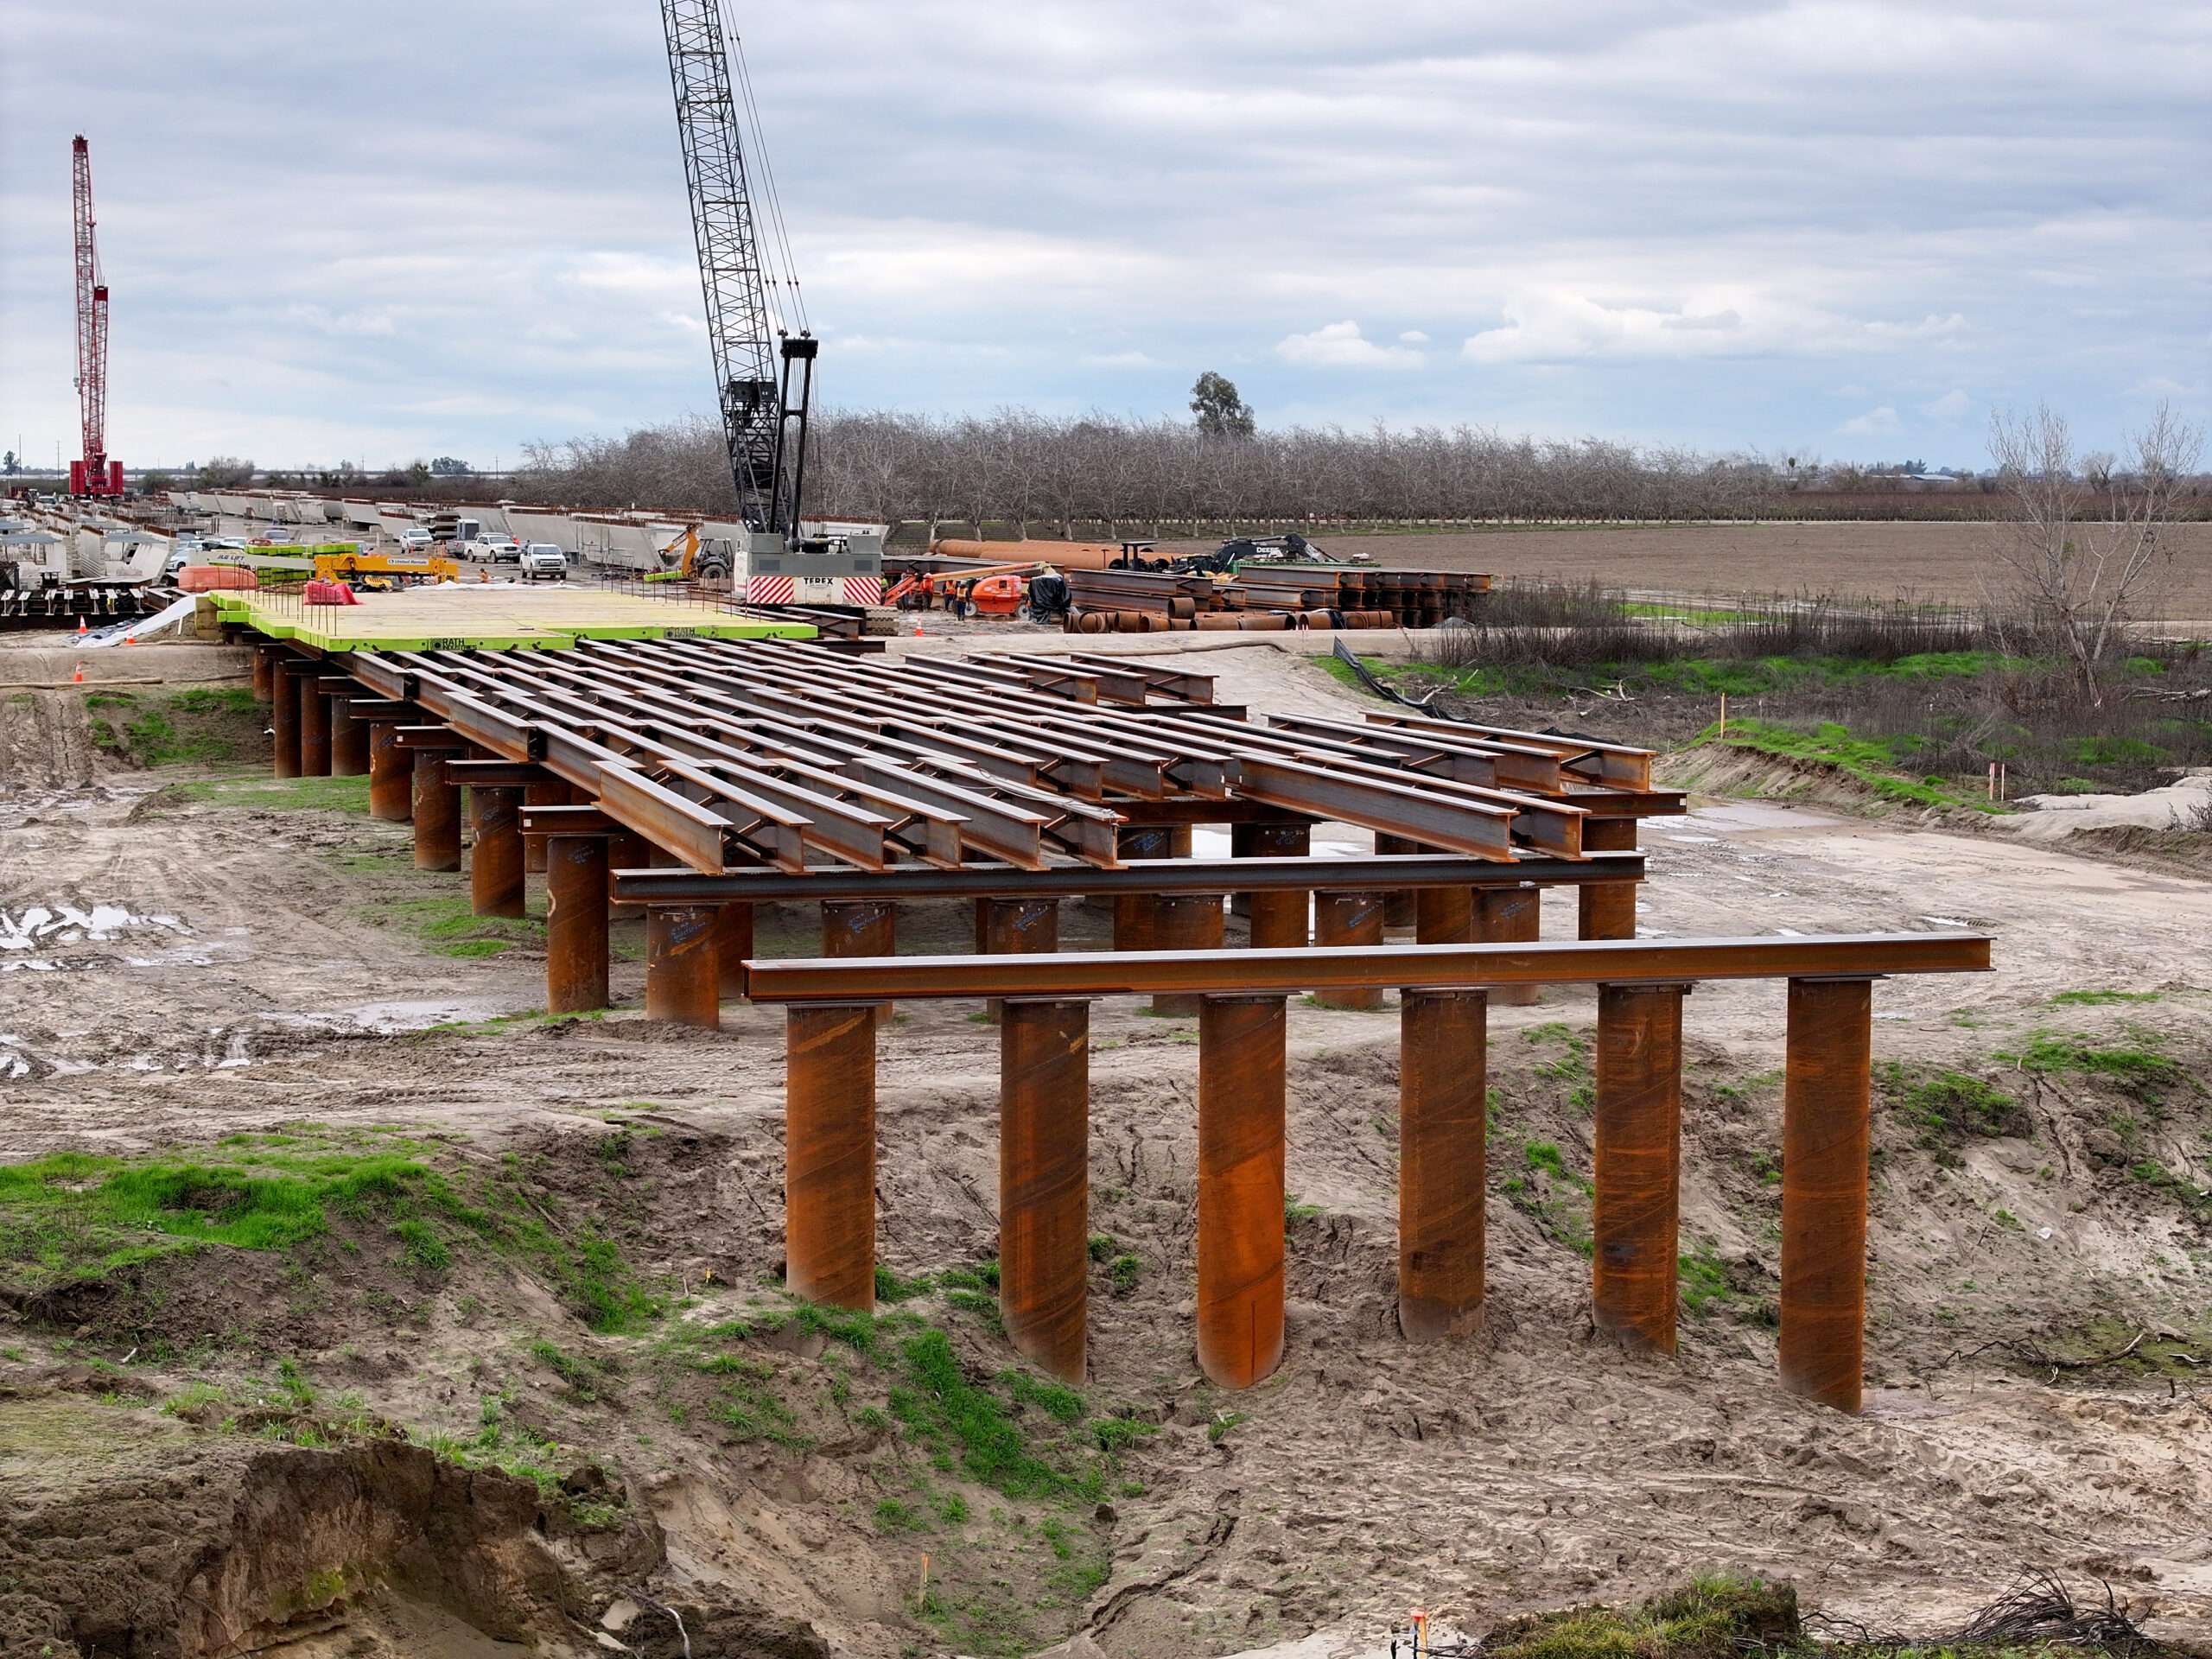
(224, 966)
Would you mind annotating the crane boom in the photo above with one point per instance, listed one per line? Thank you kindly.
(762, 425)
(92, 476)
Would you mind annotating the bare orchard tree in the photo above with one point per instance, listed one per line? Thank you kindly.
(2085, 553)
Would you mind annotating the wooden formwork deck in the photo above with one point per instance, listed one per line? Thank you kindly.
(458, 616)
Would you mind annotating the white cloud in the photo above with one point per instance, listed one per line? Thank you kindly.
(1341, 345)
(1414, 337)
(1874, 423)
(1948, 407)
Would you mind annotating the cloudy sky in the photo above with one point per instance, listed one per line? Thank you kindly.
(1835, 227)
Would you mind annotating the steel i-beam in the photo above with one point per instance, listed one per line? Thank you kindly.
(1639, 1132)
(682, 965)
(391, 775)
(1278, 920)
(1824, 1153)
(1045, 1179)
(1442, 1126)
(437, 813)
(1241, 1119)
(1510, 916)
(576, 924)
(830, 1154)
(1607, 910)
(1184, 921)
(495, 866)
(1341, 919)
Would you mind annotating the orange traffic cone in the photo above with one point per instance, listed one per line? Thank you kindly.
(79, 677)
(917, 624)
(81, 629)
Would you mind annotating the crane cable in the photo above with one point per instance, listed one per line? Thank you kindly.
(777, 247)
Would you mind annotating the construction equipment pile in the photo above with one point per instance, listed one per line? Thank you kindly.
(1269, 598)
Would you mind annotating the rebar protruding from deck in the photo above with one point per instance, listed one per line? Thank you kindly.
(349, 738)
(1824, 1155)
(284, 714)
(1133, 911)
(1639, 1134)
(733, 945)
(495, 874)
(861, 927)
(830, 1153)
(1442, 1131)
(1510, 916)
(1184, 921)
(1017, 927)
(1341, 919)
(682, 965)
(553, 792)
(1280, 921)
(1241, 1123)
(391, 775)
(1045, 1179)
(576, 924)
(437, 813)
(1606, 910)
(314, 722)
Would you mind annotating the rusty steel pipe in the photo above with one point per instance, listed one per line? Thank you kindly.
(861, 927)
(437, 813)
(1013, 927)
(495, 874)
(1510, 916)
(1341, 919)
(1607, 910)
(391, 775)
(1397, 902)
(555, 793)
(349, 739)
(1443, 916)
(683, 971)
(626, 850)
(1133, 911)
(264, 675)
(1184, 921)
(576, 924)
(1442, 1140)
(1241, 1121)
(314, 723)
(733, 945)
(284, 718)
(1639, 1134)
(830, 1154)
(1279, 920)
(1825, 1141)
(1045, 1179)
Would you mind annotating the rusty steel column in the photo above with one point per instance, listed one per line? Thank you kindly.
(1240, 1118)
(830, 1153)
(1045, 1179)
(284, 718)
(1399, 904)
(555, 793)
(1132, 910)
(861, 927)
(1279, 920)
(682, 966)
(264, 675)
(1639, 1134)
(1184, 921)
(391, 775)
(1017, 927)
(437, 813)
(1443, 916)
(1510, 916)
(1341, 919)
(349, 738)
(1442, 1136)
(1607, 909)
(733, 945)
(495, 875)
(314, 723)
(576, 924)
(1824, 1155)
(626, 850)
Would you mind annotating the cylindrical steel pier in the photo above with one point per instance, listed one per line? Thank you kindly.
(349, 738)
(1443, 916)
(576, 924)
(683, 969)
(627, 850)
(495, 876)
(315, 724)
(861, 927)
(733, 945)
(1639, 1133)
(1341, 919)
(1442, 1135)
(1607, 909)
(1241, 1120)
(1132, 917)
(1184, 921)
(1017, 927)
(264, 674)
(1824, 1155)
(553, 792)
(1510, 916)
(1279, 920)
(1045, 1179)
(830, 1153)
(284, 716)
(391, 775)
(1400, 904)
(437, 812)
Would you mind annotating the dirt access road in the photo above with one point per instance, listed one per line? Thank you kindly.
(242, 962)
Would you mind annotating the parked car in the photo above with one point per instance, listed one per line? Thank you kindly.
(542, 559)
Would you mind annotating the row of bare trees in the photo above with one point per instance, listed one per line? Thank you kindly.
(1135, 477)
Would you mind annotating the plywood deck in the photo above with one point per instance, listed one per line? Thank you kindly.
(455, 616)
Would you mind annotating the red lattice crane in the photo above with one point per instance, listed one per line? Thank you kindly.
(95, 474)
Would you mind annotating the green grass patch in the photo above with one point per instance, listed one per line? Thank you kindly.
(1946, 1107)
(2100, 999)
(1871, 762)
(2139, 1071)
(280, 794)
(450, 926)
(974, 1424)
(1703, 1279)
(1714, 1618)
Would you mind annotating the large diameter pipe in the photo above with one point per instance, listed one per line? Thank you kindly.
(553, 792)
(1066, 556)
(314, 723)
(1510, 916)
(1606, 910)
(830, 1154)
(1134, 911)
(1639, 1132)
(1241, 1121)
(391, 775)
(1184, 921)
(861, 927)
(264, 675)
(1045, 1179)
(627, 850)
(1279, 920)
(437, 813)
(1398, 902)
(1442, 1136)
(1343, 918)
(495, 872)
(284, 719)
(1018, 927)
(733, 945)
(576, 924)
(1825, 1134)
(349, 739)
(682, 966)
